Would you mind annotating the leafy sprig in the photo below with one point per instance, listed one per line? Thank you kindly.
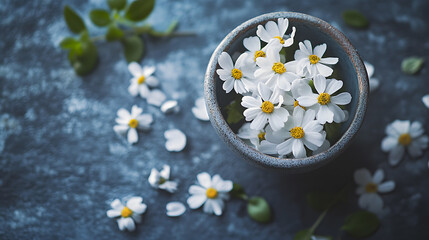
(123, 22)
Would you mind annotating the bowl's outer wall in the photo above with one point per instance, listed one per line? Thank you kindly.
(349, 69)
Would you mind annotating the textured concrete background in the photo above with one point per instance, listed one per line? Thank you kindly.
(61, 163)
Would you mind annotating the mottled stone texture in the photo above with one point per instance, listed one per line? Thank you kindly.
(61, 163)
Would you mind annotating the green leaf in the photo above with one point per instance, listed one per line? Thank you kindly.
(139, 10)
(355, 19)
(238, 191)
(259, 209)
(114, 33)
(100, 17)
(117, 4)
(85, 61)
(70, 43)
(303, 235)
(361, 224)
(133, 48)
(311, 83)
(412, 65)
(84, 36)
(332, 132)
(234, 112)
(73, 21)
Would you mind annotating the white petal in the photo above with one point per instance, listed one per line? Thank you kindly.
(129, 224)
(135, 69)
(132, 136)
(170, 106)
(388, 144)
(251, 102)
(228, 85)
(378, 176)
(225, 61)
(135, 111)
(165, 172)
(307, 101)
(200, 110)
(217, 205)
(267, 147)
(329, 60)
(221, 185)
(124, 114)
(116, 204)
(113, 213)
(197, 190)
(154, 178)
(333, 86)
(374, 83)
(324, 70)
(121, 129)
(396, 154)
(204, 179)
(371, 202)
(320, 83)
(324, 115)
(251, 113)
(264, 91)
(175, 209)
(319, 50)
(169, 186)
(176, 140)
(208, 206)
(148, 70)
(425, 100)
(259, 122)
(252, 44)
(133, 89)
(342, 98)
(195, 201)
(143, 91)
(362, 176)
(369, 69)
(137, 207)
(144, 121)
(152, 81)
(286, 147)
(156, 97)
(416, 129)
(386, 187)
(298, 149)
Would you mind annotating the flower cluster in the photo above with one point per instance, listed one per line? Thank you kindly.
(286, 102)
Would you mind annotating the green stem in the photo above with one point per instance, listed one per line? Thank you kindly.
(318, 221)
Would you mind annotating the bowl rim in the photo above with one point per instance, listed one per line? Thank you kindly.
(250, 153)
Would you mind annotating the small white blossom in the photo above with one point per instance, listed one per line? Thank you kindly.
(312, 61)
(369, 188)
(129, 122)
(127, 214)
(156, 97)
(401, 136)
(170, 107)
(175, 209)
(425, 100)
(200, 110)
(210, 192)
(254, 50)
(373, 82)
(142, 80)
(236, 76)
(161, 179)
(176, 140)
(276, 31)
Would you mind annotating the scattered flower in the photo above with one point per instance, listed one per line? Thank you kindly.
(129, 122)
(325, 104)
(161, 179)
(175, 209)
(312, 61)
(156, 97)
(176, 140)
(127, 214)
(273, 31)
(210, 192)
(200, 110)
(373, 82)
(369, 187)
(170, 107)
(401, 136)
(425, 100)
(238, 76)
(142, 80)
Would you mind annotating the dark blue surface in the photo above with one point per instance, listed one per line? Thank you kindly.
(61, 163)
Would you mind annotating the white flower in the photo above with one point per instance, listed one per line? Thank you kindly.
(369, 187)
(156, 97)
(261, 109)
(312, 61)
(176, 140)
(127, 213)
(325, 146)
(211, 192)
(325, 103)
(161, 179)
(200, 110)
(300, 130)
(170, 107)
(130, 122)
(273, 72)
(276, 31)
(254, 50)
(373, 82)
(401, 136)
(142, 80)
(425, 100)
(254, 136)
(238, 76)
(175, 209)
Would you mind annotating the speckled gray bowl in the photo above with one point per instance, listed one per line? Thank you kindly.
(352, 72)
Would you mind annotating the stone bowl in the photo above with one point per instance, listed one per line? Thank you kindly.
(350, 65)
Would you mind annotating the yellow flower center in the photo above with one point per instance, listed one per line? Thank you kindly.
(267, 107)
(297, 132)
(261, 136)
(296, 104)
(259, 53)
(279, 68)
(314, 59)
(126, 212)
(371, 188)
(282, 41)
(404, 139)
(141, 80)
(324, 98)
(162, 180)
(211, 193)
(236, 73)
(133, 123)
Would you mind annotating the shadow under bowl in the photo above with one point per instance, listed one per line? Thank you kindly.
(350, 69)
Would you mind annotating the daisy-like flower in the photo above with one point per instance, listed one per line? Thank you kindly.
(161, 179)
(176, 140)
(128, 123)
(261, 109)
(273, 31)
(127, 214)
(142, 80)
(373, 82)
(235, 76)
(425, 100)
(255, 137)
(369, 188)
(300, 130)
(254, 50)
(401, 136)
(325, 104)
(273, 72)
(175, 209)
(200, 110)
(211, 192)
(312, 60)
